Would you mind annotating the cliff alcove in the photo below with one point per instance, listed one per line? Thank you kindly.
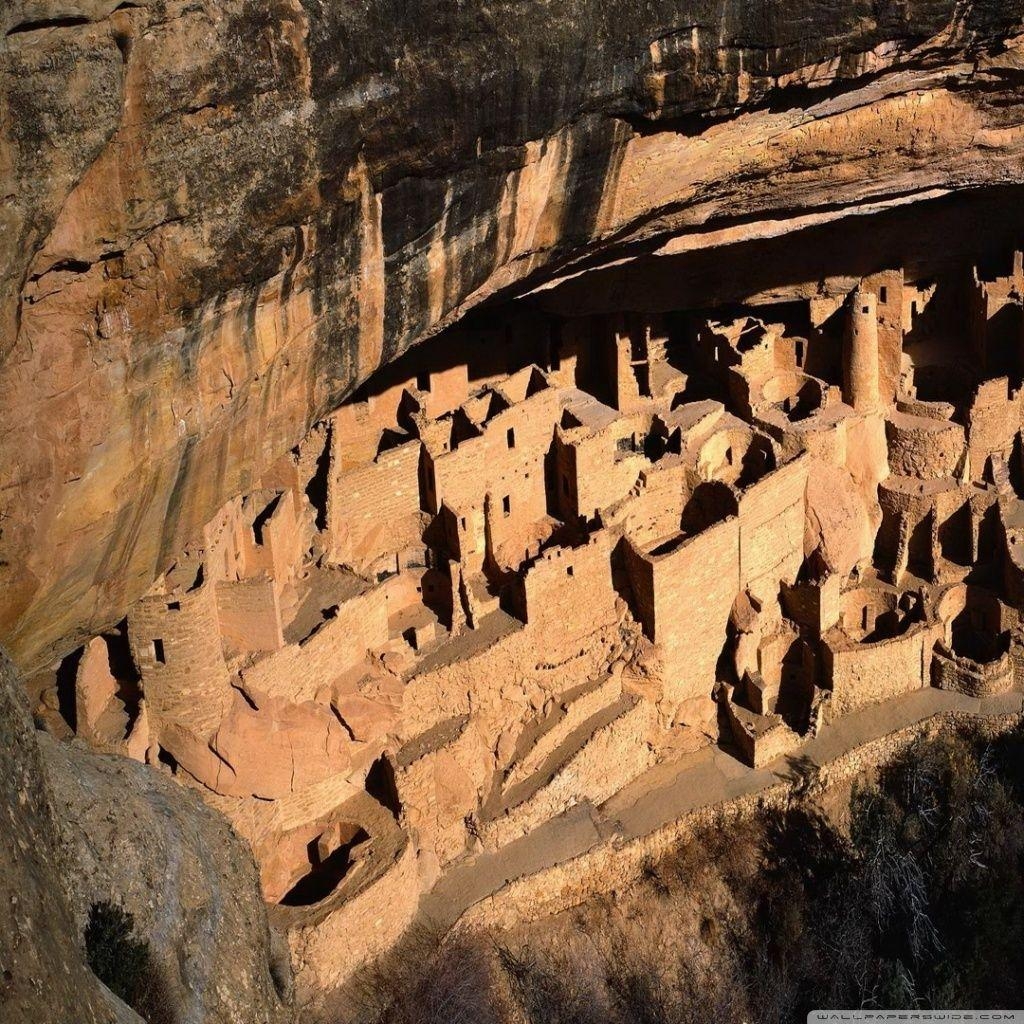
(430, 436)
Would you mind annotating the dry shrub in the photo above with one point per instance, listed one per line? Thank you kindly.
(430, 979)
(765, 918)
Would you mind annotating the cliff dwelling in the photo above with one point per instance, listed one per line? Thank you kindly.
(466, 468)
(546, 552)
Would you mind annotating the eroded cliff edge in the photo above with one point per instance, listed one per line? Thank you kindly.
(219, 217)
(80, 830)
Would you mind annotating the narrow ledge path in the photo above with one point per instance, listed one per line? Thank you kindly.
(671, 791)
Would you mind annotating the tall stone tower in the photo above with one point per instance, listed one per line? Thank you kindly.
(860, 355)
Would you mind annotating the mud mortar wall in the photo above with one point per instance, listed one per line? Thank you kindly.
(612, 866)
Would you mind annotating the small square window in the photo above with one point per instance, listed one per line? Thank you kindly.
(568, 570)
(866, 309)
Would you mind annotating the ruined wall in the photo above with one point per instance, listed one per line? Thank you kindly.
(923, 447)
(306, 670)
(176, 645)
(993, 422)
(771, 530)
(964, 676)
(887, 289)
(597, 473)
(249, 615)
(439, 790)
(373, 509)
(553, 585)
(655, 512)
(324, 949)
(865, 674)
(283, 538)
(694, 590)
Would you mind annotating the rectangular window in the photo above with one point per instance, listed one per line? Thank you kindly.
(174, 606)
(883, 295)
(423, 381)
(158, 652)
(506, 505)
(510, 437)
(568, 570)
(463, 522)
(555, 356)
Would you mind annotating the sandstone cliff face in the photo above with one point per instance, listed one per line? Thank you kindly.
(137, 839)
(81, 829)
(43, 974)
(219, 216)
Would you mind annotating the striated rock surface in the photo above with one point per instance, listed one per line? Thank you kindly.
(80, 829)
(43, 973)
(219, 216)
(137, 839)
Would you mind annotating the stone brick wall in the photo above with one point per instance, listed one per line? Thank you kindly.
(864, 674)
(249, 614)
(440, 789)
(887, 289)
(302, 671)
(329, 948)
(923, 447)
(771, 530)
(962, 675)
(553, 586)
(614, 756)
(656, 511)
(598, 475)
(192, 677)
(374, 509)
(694, 589)
(507, 463)
(993, 421)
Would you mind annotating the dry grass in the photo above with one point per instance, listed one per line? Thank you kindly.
(764, 919)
